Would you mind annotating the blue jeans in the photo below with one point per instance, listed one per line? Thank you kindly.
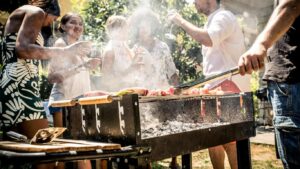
(285, 99)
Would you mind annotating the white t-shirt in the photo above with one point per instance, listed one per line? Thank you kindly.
(115, 78)
(122, 59)
(73, 86)
(228, 46)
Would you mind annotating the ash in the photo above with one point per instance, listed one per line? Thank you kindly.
(162, 118)
(173, 127)
(173, 117)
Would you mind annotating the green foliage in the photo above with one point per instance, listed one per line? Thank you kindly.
(97, 12)
(185, 51)
(254, 82)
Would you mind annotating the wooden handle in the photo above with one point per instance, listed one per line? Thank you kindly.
(95, 100)
(63, 103)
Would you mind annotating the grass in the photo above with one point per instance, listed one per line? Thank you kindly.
(262, 157)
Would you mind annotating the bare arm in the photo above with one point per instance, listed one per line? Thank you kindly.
(280, 21)
(27, 21)
(199, 34)
(58, 72)
(27, 34)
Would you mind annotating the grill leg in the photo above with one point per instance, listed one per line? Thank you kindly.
(143, 163)
(187, 161)
(243, 154)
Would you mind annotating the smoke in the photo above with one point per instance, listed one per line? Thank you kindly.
(139, 54)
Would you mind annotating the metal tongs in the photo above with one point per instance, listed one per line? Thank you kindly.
(202, 82)
(46, 135)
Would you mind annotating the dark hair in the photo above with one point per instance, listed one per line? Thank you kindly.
(66, 18)
(49, 6)
(144, 15)
(218, 1)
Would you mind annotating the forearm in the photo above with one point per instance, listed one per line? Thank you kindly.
(33, 51)
(280, 21)
(199, 34)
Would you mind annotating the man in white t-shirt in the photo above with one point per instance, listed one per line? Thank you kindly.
(222, 44)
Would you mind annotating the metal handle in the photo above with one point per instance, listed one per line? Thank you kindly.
(202, 82)
(17, 136)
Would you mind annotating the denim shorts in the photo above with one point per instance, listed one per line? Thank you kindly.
(285, 99)
(53, 110)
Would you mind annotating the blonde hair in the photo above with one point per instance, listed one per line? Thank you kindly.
(115, 22)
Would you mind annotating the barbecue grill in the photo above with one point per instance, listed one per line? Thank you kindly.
(167, 125)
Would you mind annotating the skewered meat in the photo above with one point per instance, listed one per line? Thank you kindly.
(158, 92)
(133, 90)
(171, 90)
(96, 93)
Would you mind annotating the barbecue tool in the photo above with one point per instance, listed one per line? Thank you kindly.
(45, 135)
(198, 83)
(17, 136)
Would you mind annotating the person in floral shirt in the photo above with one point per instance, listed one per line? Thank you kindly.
(157, 68)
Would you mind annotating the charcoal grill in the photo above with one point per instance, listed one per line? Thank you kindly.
(169, 126)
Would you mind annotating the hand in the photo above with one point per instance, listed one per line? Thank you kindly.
(253, 59)
(81, 48)
(93, 63)
(174, 16)
(139, 54)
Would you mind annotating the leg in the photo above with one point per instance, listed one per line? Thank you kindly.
(286, 105)
(59, 165)
(103, 164)
(230, 149)
(173, 164)
(58, 122)
(84, 164)
(30, 127)
(217, 156)
(288, 143)
(57, 119)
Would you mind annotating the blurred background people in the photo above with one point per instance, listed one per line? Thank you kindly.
(70, 76)
(117, 56)
(157, 68)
